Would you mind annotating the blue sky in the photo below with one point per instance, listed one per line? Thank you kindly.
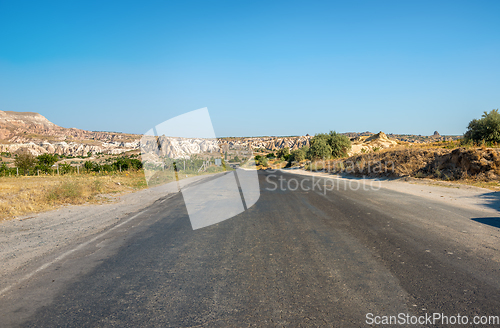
(261, 67)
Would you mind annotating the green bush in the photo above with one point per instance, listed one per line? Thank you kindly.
(64, 168)
(45, 162)
(283, 153)
(486, 129)
(92, 166)
(325, 146)
(127, 163)
(339, 144)
(320, 149)
(25, 161)
(297, 155)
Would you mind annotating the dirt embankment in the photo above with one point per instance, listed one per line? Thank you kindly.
(447, 164)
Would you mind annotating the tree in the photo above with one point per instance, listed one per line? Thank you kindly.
(263, 161)
(319, 147)
(126, 163)
(25, 161)
(339, 144)
(3, 168)
(283, 153)
(45, 162)
(271, 155)
(297, 155)
(89, 166)
(486, 129)
(64, 168)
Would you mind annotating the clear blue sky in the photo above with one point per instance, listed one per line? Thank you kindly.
(261, 67)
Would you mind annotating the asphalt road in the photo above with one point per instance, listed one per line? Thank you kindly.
(297, 258)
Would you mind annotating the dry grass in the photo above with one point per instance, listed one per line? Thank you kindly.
(475, 166)
(23, 195)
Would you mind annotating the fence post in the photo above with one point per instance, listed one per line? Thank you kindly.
(57, 168)
(17, 170)
(78, 169)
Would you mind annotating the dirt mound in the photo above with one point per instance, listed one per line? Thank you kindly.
(447, 164)
(368, 143)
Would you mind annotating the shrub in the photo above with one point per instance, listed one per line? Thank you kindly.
(64, 168)
(332, 145)
(45, 162)
(486, 129)
(339, 144)
(297, 155)
(92, 166)
(319, 147)
(283, 153)
(127, 163)
(25, 161)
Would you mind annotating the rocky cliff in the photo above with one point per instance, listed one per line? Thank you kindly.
(36, 134)
(33, 132)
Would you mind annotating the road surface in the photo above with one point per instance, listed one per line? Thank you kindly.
(300, 257)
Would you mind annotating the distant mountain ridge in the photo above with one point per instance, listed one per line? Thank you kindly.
(14, 123)
(19, 127)
(20, 131)
(35, 133)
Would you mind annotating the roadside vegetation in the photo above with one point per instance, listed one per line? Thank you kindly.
(31, 194)
(31, 184)
(323, 146)
(474, 159)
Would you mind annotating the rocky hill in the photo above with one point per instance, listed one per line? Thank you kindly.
(20, 131)
(372, 142)
(268, 143)
(35, 133)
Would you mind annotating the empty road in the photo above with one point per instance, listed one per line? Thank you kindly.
(300, 257)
